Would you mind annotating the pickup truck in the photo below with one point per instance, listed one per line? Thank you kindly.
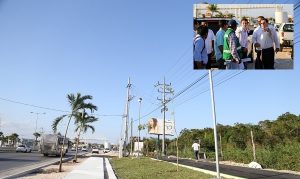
(286, 35)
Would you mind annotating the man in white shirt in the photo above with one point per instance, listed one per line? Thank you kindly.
(200, 53)
(265, 40)
(255, 38)
(209, 44)
(196, 148)
(242, 35)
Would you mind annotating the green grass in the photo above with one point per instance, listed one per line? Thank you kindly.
(146, 168)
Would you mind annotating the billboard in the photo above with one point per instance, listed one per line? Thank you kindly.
(155, 126)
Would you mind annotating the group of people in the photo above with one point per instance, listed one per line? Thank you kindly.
(230, 44)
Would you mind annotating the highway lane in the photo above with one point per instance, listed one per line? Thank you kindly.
(13, 160)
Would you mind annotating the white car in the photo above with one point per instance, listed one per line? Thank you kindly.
(23, 148)
(95, 150)
(106, 150)
(84, 149)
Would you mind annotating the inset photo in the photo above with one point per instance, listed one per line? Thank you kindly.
(243, 36)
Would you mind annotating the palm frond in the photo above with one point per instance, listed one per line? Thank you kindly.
(56, 122)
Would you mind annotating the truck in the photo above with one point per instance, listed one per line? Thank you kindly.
(286, 35)
(52, 144)
(107, 147)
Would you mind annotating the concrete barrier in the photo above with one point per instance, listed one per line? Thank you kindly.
(7, 149)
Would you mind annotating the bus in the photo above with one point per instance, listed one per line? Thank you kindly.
(51, 144)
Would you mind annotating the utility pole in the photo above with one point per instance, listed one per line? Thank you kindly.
(124, 133)
(131, 145)
(165, 89)
(215, 123)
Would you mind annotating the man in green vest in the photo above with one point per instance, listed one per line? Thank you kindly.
(232, 49)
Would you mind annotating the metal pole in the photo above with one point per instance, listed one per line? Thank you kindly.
(140, 101)
(215, 123)
(164, 120)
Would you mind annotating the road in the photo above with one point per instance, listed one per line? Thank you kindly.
(12, 160)
(235, 170)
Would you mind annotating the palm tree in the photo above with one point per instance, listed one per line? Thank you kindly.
(83, 121)
(77, 103)
(36, 135)
(212, 8)
(14, 138)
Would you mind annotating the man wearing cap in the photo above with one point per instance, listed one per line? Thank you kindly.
(232, 49)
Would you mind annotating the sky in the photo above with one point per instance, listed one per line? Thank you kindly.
(49, 49)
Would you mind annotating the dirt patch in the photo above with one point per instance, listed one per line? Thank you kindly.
(51, 172)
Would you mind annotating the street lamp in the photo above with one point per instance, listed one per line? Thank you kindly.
(37, 117)
(140, 101)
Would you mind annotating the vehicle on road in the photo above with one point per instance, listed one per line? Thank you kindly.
(73, 149)
(95, 150)
(52, 144)
(286, 35)
(23, 148)
(84, 149)
(106, 150)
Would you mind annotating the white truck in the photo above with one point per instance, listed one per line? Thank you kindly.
(107, 147)
(286, 35)
(52, 144)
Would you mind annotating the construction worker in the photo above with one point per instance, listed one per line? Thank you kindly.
(232, 49)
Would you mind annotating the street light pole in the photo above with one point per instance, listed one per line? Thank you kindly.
(215, 122)
(140, 101)
(37, 117)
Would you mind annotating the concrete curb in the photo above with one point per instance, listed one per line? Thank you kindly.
(202, 170)
(110, 171)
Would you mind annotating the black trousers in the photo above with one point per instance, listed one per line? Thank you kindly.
(221, 63)
(196, 152)
(208, 65)
(268, 58)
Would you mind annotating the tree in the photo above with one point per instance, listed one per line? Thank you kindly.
(36, 135)
(77, 103)
(14, 137)
(220, 14)
(83, 121)
(230, 15)
(212, 8)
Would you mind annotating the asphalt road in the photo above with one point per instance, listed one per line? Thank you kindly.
(235, 170)
(12, 160)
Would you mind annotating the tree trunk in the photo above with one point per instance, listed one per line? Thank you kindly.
(63, 145)
(77, 143)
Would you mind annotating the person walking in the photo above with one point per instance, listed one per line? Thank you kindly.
(200, 53)
(196, 148)
(268, 37)
(232, 50)
(242, 34)
(219, 42)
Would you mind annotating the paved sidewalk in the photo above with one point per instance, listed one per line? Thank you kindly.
(93, 168)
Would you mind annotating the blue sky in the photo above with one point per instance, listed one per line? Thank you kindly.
(51, 48)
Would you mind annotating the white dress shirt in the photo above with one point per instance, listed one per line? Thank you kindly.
(265, 39)
(242, 35)
(208, 41)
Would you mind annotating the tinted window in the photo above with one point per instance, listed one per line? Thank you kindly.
(288, 28)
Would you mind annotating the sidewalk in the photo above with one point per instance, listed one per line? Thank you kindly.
(93, 168)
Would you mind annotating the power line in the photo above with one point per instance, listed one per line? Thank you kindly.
(50, 109)
(31, 105)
